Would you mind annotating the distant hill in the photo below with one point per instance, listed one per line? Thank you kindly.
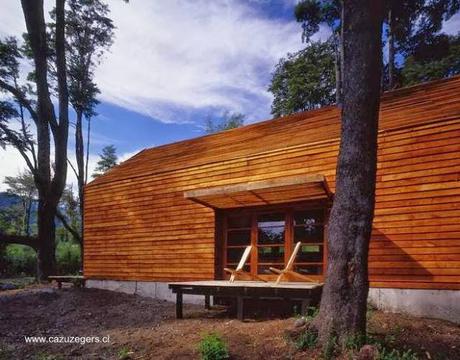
(6, 199)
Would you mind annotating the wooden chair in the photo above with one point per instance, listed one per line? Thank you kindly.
(239, 269)
(287, 271)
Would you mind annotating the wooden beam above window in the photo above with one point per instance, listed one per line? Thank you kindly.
(266, 192)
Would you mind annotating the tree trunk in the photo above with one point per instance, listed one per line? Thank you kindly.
(343, 304)
(46, 260)
(391, 52)
(80, 156)
(50, 190)
(338, 69)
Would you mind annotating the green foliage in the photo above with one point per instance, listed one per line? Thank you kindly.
(226, 122)
(304, 80)
(439, 60)
(306, 340)
(312, 312)
(385, 354)
(108, 159)
(354, 342)
(330, 348)
(212, 347)
(124, 353)
(18, 260)
(68, 258)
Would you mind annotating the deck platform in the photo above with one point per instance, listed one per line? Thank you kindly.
(301, 291)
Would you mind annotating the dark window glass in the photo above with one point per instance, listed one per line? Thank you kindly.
(308, 234)
(271, 254)
(265, 269)
(234, 255)
(239, 222)
(309, 269)
(310, 253)
(239, 237)
(310, 217)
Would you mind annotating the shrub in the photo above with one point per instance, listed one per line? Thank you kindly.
(212, 347)
(68, 258)
(385, 354)
(306, 340)
(19, 260)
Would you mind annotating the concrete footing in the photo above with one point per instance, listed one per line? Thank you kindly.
(439, 304)
(156, 290)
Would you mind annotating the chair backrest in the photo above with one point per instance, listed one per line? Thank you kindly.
(244, 257)
(293, 256)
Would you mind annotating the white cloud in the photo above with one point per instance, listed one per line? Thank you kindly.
(193, 54)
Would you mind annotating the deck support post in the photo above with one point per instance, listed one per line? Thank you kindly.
(239, 308)
(179, 314)
(207, 302)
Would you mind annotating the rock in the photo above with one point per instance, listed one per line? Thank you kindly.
(368, 352)
(299, 322)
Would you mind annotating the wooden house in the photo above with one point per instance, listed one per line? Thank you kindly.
(186, 210)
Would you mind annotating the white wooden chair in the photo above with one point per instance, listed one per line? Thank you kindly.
(239, 269)
(287, 271)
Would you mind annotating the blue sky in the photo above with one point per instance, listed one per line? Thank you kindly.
(175, 63)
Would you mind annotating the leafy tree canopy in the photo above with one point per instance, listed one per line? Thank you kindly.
(108, 159)
(228, 121)
(437, 59)
(304, 80)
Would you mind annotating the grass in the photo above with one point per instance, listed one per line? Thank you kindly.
(212, 347)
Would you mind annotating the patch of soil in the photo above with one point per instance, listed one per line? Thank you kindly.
(147, 328)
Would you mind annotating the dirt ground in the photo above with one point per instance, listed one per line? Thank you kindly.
(142, 328)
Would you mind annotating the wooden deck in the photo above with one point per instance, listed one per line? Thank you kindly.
(303, 291)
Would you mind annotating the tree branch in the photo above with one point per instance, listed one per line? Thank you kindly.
(19, 145)
(31, 241)
(68, 227)
(20, 98)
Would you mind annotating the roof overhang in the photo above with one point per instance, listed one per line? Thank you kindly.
(267, 192)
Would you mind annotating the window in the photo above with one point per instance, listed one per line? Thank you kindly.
(273, 235)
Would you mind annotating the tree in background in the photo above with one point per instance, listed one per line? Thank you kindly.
(89, 33)
(409, 25)
(108, 159)
(315, 13)
(343, 306)
(304, 80)
(23, 185)
(226, 122)
(437, 59)
(49, 175)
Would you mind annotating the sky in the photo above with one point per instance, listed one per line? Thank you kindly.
(175, 63)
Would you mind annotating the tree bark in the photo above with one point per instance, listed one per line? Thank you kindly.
(338, 69)
(343, 304)
(49, 189)
(80, 156)
(31, 241)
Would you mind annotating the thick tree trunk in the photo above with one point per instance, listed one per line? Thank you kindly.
(80, 156)
(338, 69)
(391, 52)
(344, 299)
(50, 190)
(46, 260)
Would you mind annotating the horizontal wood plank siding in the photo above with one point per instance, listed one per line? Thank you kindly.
(139, 226)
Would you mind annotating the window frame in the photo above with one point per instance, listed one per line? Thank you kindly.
(288, 210)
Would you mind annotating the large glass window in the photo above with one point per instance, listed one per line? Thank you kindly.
(273, 236)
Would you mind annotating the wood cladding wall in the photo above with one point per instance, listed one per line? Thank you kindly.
(139, 226)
